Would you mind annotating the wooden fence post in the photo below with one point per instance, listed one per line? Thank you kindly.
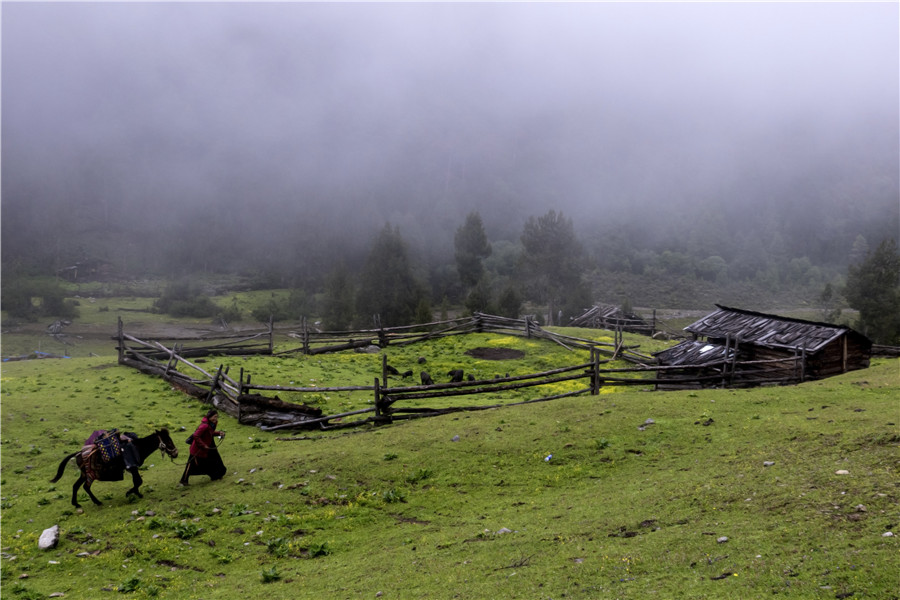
(172, 353)
(271, 333)
(725, 363)
(212, 388)
(377, 399)
(734, 359)
(595, 372)
(121, 341)
(803, 364)
(306, 349)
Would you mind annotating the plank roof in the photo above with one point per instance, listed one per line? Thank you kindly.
(694, 353)
(767, 330)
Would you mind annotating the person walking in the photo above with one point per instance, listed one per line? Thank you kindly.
(205, 458)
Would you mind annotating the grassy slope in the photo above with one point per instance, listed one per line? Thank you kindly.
(408, 511)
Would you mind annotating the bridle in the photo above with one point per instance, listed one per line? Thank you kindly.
(172, 451)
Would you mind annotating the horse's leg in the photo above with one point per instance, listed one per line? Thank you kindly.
(75, 487)
(137, 480)
(87, 488)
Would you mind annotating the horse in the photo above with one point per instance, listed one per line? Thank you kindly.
(93, 468)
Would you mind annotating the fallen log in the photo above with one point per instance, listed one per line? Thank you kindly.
(262, 411)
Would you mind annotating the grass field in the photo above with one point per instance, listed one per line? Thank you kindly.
(574, 498)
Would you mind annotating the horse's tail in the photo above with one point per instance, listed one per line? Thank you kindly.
(62, 466)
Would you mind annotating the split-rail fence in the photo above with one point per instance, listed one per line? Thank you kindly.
(242, 397)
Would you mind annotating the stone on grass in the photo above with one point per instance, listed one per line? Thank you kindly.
(49, 538)
(842, 472)
(768, 463)
(887, 534)
(722, 539)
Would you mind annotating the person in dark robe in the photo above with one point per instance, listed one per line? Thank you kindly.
(205, 458)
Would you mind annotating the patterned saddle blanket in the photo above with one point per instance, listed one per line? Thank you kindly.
(106, 443)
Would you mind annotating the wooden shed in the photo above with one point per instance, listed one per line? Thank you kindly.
(605, 316)
(773, 349)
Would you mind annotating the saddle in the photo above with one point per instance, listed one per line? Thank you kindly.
(106, 443)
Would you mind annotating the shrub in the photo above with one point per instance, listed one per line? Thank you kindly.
(271, 574)
(184, 299)
(34, 299)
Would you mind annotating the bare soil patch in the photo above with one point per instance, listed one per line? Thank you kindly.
(495, 353)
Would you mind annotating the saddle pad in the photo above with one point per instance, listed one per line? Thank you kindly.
(109, 447)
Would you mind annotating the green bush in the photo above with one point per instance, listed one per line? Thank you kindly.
(185, 299)
(35, 299)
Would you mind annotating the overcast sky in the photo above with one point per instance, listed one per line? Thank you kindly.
(389, 110)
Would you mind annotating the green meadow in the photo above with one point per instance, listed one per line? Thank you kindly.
(777, 491)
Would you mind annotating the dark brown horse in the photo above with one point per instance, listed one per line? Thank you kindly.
(94, 468)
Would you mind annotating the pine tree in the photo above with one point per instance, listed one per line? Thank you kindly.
(387, 286)
(552, 259)
(472, 247)
(873, 288)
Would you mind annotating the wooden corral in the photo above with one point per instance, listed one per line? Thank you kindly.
(751, 348)
(240, 398)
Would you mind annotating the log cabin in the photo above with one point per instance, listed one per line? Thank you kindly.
(750, 348)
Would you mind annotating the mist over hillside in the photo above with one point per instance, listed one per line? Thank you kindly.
(172, 138)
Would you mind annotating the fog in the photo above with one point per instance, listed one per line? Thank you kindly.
(295, 129)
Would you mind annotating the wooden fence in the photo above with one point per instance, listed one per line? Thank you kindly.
(241, 397)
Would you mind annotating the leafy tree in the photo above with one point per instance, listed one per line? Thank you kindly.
(472, 247)
(387, 286)
(33, 299)
(831, 312)
(338, 311)
(552, 259)
(712, 268)
(859, 250)
(423, 310)
(445, 309)
(479, 298)
(279, 308)
(184, 298)
(873, 288)
(509, 303)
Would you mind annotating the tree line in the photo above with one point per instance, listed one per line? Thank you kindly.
(548, 267)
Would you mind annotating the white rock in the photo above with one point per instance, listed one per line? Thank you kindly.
(49, 538)
(842, 472)
(503, 530)
(722, 539)
(768, 463)
(887, 534)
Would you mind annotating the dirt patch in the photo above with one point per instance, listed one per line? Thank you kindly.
(495, 353)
